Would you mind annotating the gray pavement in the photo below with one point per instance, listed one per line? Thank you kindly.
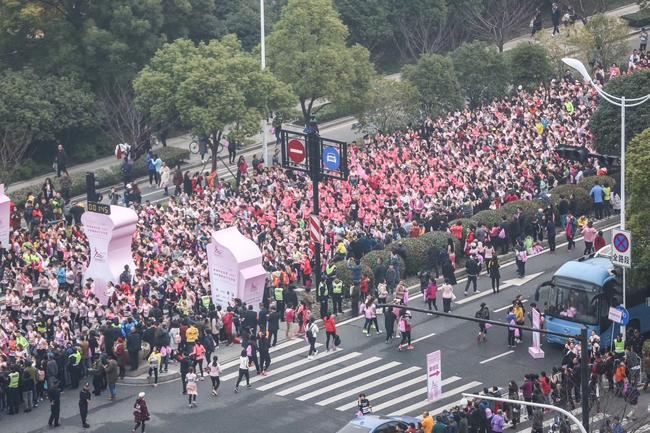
(301, 394)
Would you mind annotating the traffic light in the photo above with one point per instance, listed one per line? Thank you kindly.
(573, 153)
(91, 188)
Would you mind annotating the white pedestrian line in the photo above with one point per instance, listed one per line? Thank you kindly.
(304, 373)
(412, 394)
(476, 296)
(423, 338)
(302, 350)
(485, 361)
(292, 366)
(280, 346)
(328, 376)
(358, 389)
(399, 387)
(412, 408)
(498, 310)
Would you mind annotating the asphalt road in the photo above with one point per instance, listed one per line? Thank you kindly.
(318, 395)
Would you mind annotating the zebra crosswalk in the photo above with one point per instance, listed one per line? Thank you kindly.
(334, 379)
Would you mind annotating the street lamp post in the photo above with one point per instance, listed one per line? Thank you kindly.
(265, 147)
(624, 103)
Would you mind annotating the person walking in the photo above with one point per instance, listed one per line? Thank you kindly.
(493, 267)
(154, 360)
(389, 323)
(330, 331)
(589, 235)
(405, 330)
(536, 22)
(447, 296)
(264, 349)
(165, 176)
(370, 312)
(473, 268)
(312, 332)
(570, 230)
(431, 294)
(482, 313)
(54, 395)
(61, 161)
(191, 387)
(214, 370)
(243, 370)
(84, 398)
(140, 413)
(273, 326)
(556, 17)
(550, 234)
(112, 373)
(521, 257)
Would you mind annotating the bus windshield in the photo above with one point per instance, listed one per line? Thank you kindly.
(574, 301)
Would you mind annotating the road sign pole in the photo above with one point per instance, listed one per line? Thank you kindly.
(313, 143)
(623, 192)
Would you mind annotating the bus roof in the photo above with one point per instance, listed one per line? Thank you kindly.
(594, 271)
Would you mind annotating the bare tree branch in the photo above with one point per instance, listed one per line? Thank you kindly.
(120, 118)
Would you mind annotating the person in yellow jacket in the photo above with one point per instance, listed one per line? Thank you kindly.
(192, 334)
(154, 360)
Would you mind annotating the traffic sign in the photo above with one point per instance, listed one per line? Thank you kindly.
(622, 251)
(297, 151)
(625, 315)
(331, 158)
(615, 315)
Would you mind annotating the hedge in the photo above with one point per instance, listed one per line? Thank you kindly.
(344, 274)
(583, 200)
(467, 224)
(370, 259)
(638, 19)
(489, 217)
(588, 182)
(529, 207)
(108, 177)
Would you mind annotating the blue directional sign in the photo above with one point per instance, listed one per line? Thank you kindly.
(331, 158)
(625, 316)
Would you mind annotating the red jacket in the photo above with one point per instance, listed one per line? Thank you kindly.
(330, 325)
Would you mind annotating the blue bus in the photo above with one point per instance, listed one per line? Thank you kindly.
(580, 293)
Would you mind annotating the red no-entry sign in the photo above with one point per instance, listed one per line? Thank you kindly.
(296, 151)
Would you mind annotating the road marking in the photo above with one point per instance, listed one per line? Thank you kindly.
(498, 310)
(412, 394)
(412, 408)
(476, 296)
(328, 376)
(278, 358)
(303, 373)
(300, 351)
(399, 387)
(423, 338)
(360, 388)
(485, 361)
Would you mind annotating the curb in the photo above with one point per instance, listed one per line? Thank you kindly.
(143, 380)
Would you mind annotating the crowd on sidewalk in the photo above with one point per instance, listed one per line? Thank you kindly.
(54, 331)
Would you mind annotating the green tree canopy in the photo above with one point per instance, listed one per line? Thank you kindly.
(211, 87)
(434, 78)
(390, 105)
(638, 206)
(606, 122)
(603, 40)
(36, 108)
(529, 65)
(482, 72)
(307, 50)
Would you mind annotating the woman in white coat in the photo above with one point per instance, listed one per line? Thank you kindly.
(165, 174)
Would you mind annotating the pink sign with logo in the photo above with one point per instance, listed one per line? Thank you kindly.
(5, 217)
(236, 271)
(109, 239)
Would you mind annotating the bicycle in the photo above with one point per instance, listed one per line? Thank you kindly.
(195, 148)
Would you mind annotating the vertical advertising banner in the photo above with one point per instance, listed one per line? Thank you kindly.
(434, 375)
(5, 217)
(223, 274)
(536, 349)
(109, 241)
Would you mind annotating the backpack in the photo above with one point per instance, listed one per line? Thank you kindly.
(502, 234)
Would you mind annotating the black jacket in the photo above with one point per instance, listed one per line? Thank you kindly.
(274, 321)
(134, 342)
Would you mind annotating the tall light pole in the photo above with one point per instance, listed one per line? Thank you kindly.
(265, 147)
(619, 101)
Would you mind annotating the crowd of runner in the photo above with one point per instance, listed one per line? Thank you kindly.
(54, 331)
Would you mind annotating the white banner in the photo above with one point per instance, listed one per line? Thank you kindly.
(434, 375)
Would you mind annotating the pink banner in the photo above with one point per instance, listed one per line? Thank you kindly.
(5, 217)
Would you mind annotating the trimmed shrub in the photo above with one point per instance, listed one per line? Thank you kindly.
(489, 217)
(370, 259)
(417, 257)
(582, 197)
(588, 182)
(467, 224)
(529, 207)
(344, 274)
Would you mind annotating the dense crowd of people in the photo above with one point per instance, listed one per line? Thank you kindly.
(54, 331)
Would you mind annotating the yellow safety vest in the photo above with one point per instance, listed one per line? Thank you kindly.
(77, 358)
(337, 287)
(329, 270)
(619, 346)
(205, 300)
(279, 294)
(13, 380)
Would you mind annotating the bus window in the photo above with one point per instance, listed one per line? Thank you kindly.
(542, 293)
(574, 304)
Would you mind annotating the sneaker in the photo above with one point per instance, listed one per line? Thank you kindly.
(364, 331)
(465, 293)
(378, 332)
(202, 377)
(410, 347)
(310, 357)
(190, 405)
(236, 389)
(249, 386)
(368, 334)
(316, 352)
(399, 348)
(477, 291)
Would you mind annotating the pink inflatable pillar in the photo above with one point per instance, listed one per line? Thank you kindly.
(5, 217)
(109, 239)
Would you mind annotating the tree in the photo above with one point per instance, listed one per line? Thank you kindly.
(496, 20)
(638, 205)
(605, 124)
(556, 50)
(482, 72)
(368, 21)
(529, 65)
(307, 50)
(391, 105)
(435, 80)
(35, 108)
(419, 26)
(603, 39)
(214, 88)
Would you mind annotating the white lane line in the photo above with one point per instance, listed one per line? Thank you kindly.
(423, 338)
(485, 361)
(477, 296)
(292, 366)
(287, 355)
(360, 388)
(412, 408)
(412, 394)
(328, 376)
(399, 387)
(304, 373)
(498, 310)
(279, 358)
